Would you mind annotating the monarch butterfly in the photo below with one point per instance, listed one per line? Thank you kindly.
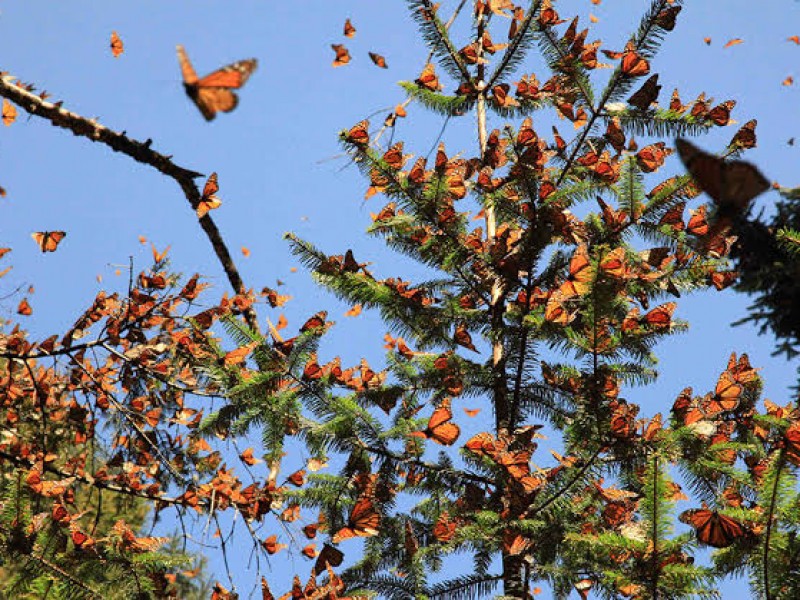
(650, 158)
(462, 337)
(792, 441)
(213, 93)
(329, 555)
(24, 308)
(379, 60)
(674, 217)
(714, 529)
(358, 134)
(349, 31)
(208, 201)
(116, 45)
(48, 240)
(342, 55)
(445, 528)
(731, 184)
(633, 64)
(721, 114)
(440, 429)
(661, 316)
(9, 114)
(428, 79)
(581, 274)
(727, 392)
(362, 522)
(556, 311)
(746, 136)
(81, 540)
(666, 18)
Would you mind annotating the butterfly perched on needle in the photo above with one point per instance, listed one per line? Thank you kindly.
(732, 184)
(48, 241)
(214, 92)
(714, 529)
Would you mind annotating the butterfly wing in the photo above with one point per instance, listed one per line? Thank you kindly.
(712, 528)
(732, 185)
(234, 75)
(741, 183)
(210, 101)
(363, 521)
(187, 71)
(705, 168)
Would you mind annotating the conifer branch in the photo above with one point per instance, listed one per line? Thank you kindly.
(140, 152)
(437, 37)
(112, 487)
(516, 47)
(648, 23)
(64, 574)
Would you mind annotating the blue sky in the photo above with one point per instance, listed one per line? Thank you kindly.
(281, 169)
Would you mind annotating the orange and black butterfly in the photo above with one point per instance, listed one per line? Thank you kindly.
(116, 45)
(646, 95)
(746, 136)
(714, 529)
(48, 240)
(379, 60)
(363, 521)
(214, 92)
(209, 201)
(342, 55)
(731, 184)
(440, 427)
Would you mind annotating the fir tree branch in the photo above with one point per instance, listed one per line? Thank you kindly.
(138, 151)
(388, 454)
(62, 573)
(514, 53)
(569, 484)
(611, 89)
(436, 36)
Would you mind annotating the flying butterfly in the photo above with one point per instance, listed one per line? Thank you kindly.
(116, 45)
(214, 92)
(378, 59)
(731, 184)
(342, 55)
(48, 240)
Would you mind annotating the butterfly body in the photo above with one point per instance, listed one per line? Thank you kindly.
(214, 92)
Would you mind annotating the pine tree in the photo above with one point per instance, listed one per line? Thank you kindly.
(565, 311)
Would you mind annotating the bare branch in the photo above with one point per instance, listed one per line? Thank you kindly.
(140, 152)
